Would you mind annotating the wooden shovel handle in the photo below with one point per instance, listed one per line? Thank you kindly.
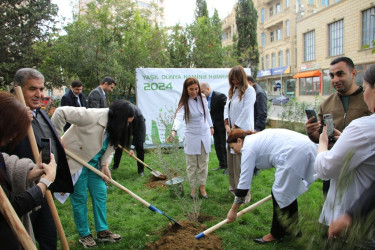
(220, 224)
(144, 164)
(49, 198)
(96, 171)
(14, 222)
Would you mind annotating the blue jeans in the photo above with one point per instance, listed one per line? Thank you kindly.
(98, 193)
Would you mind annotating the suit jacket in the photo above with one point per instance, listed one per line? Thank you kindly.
(86, 135)
(218, 101)
(69, 99)
(63, 181)
(138, 127)
(260, 108)
(96, 99)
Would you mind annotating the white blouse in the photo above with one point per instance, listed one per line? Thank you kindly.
(197, 129)
(291, 153)
(353, 157)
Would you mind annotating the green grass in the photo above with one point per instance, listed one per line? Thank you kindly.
(139, 226)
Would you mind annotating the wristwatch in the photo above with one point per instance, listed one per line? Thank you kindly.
(45, 182)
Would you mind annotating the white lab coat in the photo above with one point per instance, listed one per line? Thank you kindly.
(291, 153)
(357, 139)
(197, 129)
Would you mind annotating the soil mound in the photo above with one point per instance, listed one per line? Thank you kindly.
(184, 238)
(154, 182)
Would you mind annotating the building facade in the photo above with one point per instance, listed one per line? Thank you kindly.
(297, 39)
(341, 29)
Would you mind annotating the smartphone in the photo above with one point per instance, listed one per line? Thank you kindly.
(328, 121)
(310, 113)
(46, 150)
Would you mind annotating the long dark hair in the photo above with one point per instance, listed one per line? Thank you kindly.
(117, 126)
(185, 97)
(238, 133)
(238, 73)
(14, 119)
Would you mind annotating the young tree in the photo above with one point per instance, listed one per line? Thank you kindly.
(21, 24)
(247, 45)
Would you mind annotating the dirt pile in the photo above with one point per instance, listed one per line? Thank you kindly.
(184, 238)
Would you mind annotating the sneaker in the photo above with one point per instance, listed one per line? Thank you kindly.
(87, 241)
(107, 235)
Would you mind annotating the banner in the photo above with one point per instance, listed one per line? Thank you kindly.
(158, 92)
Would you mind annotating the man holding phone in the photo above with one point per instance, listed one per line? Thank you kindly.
(32, 83)
(345, 105)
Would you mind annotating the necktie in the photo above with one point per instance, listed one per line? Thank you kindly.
(77, 102)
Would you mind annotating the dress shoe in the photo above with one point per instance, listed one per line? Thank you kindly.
(204, 196)
(261, 241)
(142, 174)
(218, 168)
(225, 171)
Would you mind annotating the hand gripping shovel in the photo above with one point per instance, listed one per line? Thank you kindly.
(96, 171)
(220, 224)
(155, 173)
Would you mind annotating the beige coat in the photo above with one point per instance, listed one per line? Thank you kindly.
(86, 135)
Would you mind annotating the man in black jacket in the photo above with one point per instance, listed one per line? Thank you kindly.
(32, 84)
(260, 105)
(216, 104)
(138, 130)
(74, 97)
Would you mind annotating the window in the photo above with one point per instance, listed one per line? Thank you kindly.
(263, 39)
(272, 38)
(325, 2)
(336, 38)
(309, 86)
(278, 34)
(280, 58)
(262, 63)
(311, 1)
(273, 60)
(223, 37)
(368, 27)
(271, 11)
(267, 61)
(278, 8)
(287, 28)
(287, 55)
(309, 49)
(262, 15)
(287, 3)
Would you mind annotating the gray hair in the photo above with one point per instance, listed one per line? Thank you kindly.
(24, 74)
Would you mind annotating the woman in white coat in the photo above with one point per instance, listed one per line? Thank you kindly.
(293, 156)
(193, 109)
(93, 136)
(238, 113)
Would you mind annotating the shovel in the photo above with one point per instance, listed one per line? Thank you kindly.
(220, 224)
(96, 171)
(154, 172)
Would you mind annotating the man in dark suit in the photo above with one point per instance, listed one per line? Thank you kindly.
(32, 84)
(74, 97)
(216, 104)
(138, 130)
(260, 105)
(260, 108)
(97, 96)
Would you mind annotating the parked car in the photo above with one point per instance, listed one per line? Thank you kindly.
(279, 100)
(44, 102)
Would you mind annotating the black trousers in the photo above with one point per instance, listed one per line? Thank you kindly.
(44, 227)
(140, 153)
(283, 218)
(221, 151)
